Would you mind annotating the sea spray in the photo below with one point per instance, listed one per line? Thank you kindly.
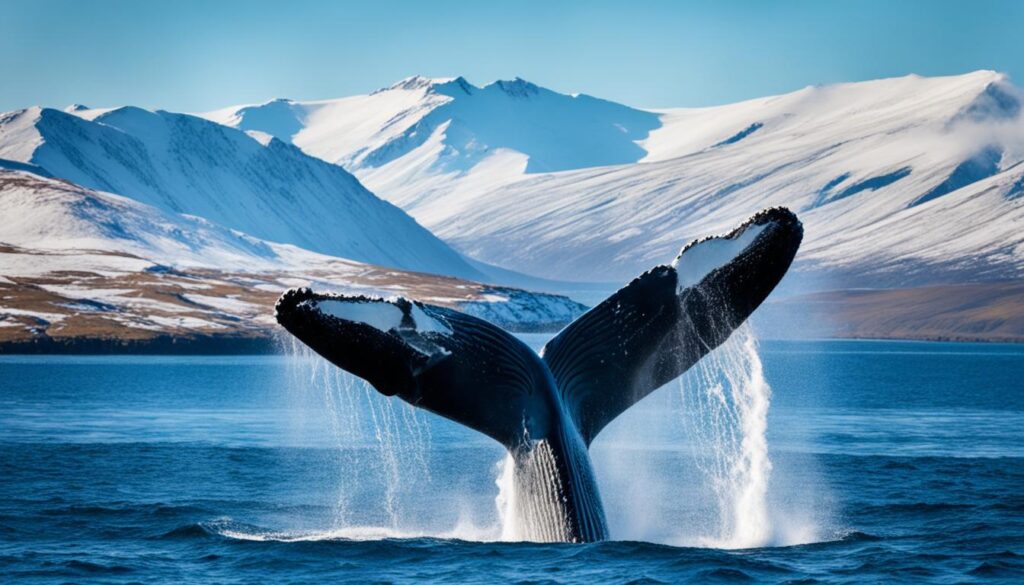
(379, 442)
(506, 501)
(317, 389)
(726, 399)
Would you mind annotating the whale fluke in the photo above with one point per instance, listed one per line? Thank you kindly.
(434, 358)
(655, 328)
(546, 409)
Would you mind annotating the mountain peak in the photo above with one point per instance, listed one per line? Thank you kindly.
(444, 85)
(999, 100)
(517, 87)
(417, 82)
(457, 84)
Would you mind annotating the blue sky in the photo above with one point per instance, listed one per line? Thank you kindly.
(194, 56)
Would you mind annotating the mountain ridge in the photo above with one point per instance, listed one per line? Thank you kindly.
(186, 164)
(848, 157)
(83, 270)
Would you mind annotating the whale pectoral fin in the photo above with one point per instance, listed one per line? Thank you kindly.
(449, 363)
(656, 327)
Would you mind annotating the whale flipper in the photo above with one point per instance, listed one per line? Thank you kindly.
(450, 363)
(655, 328)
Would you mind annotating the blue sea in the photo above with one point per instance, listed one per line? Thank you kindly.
(881, 462)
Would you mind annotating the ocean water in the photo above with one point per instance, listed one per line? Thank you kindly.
(798, 462)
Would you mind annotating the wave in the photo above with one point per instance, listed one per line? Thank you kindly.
(87, 567)
(725, 575)
(240, 531)
(122, 508)
(995, 569)
(857, 536)
(917, 508)
(195, 530)
(233, 530)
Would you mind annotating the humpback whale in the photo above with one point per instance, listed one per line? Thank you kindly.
(547, 408)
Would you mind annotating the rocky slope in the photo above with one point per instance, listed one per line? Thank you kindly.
(83, 270)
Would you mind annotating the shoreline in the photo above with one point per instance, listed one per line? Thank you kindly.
(159, 345)
(213, 345)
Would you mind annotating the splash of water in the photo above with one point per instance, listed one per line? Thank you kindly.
(726, 398)
(397, 436)
(528, 501)
(725, 401)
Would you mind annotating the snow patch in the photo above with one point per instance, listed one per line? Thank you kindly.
(43, 316)
(183, 322)
(228, 305)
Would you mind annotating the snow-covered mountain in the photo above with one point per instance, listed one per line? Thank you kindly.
(420, 137)
(82, 266)
(249, 182)
(898, 181)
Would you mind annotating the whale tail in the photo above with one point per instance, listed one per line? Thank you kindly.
(443, 361)
(655, 328)
(640, 338)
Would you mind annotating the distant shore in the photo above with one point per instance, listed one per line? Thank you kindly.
(159, 345)
(211, 345)
(979, 312)
(972, 312)
(267, 343)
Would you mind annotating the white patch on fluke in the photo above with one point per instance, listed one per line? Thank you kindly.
(427, 324)
(382, 315)
(700, 259)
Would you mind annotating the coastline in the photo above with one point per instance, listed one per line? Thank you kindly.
(967, 312)
(270, 345)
